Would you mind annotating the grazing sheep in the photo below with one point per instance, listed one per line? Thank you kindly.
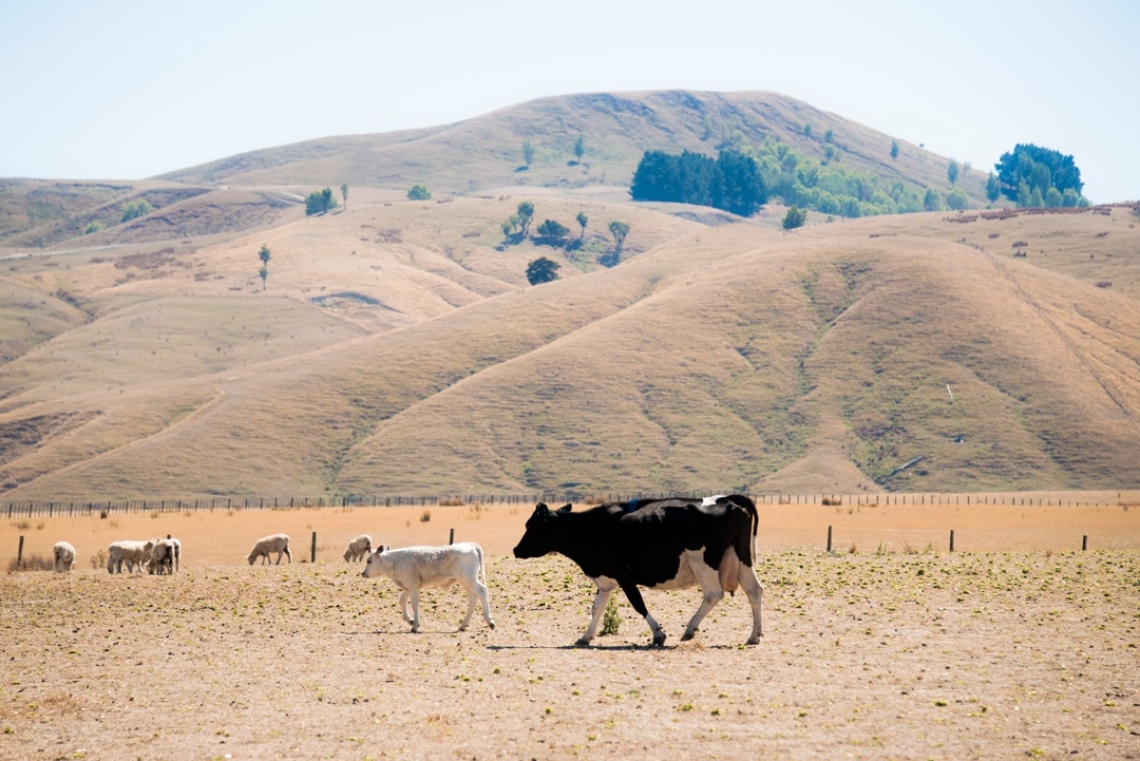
(127, 551)
(161, 556)
(358, 549)
(278, 543)
(64, 556)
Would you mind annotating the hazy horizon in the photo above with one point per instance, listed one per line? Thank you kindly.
(132, 90)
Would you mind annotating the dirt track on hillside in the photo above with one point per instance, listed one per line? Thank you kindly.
(925, 655)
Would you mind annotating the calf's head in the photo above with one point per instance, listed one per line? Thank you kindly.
(542, 532)
(375, 565)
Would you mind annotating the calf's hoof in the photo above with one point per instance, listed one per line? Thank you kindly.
(688, 635)
(491, 624)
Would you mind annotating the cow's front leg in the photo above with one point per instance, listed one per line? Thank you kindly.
(633, 594)
(606, 588)
(404, 605)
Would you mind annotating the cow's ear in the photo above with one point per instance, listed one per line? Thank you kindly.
(564, 509)
(541, 509)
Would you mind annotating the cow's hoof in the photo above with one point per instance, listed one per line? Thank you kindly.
(753, 640)
(659, 640)
(582, 642)
(463, 628)
(491, 624)
(688, 636)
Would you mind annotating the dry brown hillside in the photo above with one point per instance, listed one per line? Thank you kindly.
(397, 348)
(486, 152)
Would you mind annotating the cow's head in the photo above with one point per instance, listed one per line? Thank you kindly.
(542, 532)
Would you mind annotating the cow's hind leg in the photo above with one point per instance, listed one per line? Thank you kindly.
(709, 580)
(754, 590)
(606, 588)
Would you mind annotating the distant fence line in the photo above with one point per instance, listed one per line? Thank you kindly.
(71, 508)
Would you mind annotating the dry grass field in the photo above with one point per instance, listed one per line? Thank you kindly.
(895, 651)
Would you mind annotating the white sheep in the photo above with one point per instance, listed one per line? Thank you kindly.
(358, 549)
(278, 543)
(177, 551)
(160, 556)
(128, 551)
(64, 555)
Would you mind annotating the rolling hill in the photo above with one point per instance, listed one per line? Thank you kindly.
(395, 346)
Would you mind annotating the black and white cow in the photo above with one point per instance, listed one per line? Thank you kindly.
(658, 544)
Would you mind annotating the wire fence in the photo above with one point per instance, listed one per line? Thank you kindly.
(34, 508)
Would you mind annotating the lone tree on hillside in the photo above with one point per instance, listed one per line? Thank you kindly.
(579, 148)
(319, 202)
(894, 149)
(418, 193)
(542, 270)
(619, 230)
(135, 209)
(952, 171)
(344, 193)
(795, 218)
(993, 188)
(263, 255)
(932, 201)
(528, 153)
(583, 220)
(957, 200)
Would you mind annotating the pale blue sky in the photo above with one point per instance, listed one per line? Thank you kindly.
(131, 89)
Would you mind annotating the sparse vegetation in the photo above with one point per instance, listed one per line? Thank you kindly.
(794, 218)
(418, 192)
(263, 255)
(93, 226)
(894, 150)
(611, 619)
(135, 209)
(952, 172)
(528, 153)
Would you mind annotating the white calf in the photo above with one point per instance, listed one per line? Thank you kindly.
(64, 556)
(278, 543)
(413, 568)
(358, 549)
(126, 551)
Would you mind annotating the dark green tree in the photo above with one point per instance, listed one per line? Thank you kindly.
(528, 153)
(993, 188)
(1040, 169)
(525, 214)
(542, 270)
(263, 255)
(580, 148)
(319, 202)
(932, 201)
(583, 220)
(736, 184)
(952, 171)
(795, 218)
(552, 233)
(418, 193)
(894, 149)
(344, 193)
(828, 136)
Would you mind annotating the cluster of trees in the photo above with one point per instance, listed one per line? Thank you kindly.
(551, 232)
(731, 182)
(263, 255)
(321, 201)
(1035, 176)
(418, 192)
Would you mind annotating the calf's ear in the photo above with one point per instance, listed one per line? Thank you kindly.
(564, 509)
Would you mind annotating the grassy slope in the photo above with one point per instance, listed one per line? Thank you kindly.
(486, 151)
(396, 350)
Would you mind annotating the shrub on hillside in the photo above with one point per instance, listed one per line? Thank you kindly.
(418, 193)
(135, 209)
(795, 218)
(957, 200)
(319, 202)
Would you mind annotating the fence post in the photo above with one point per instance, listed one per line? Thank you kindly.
(450, 538)
(951, 540)
(829, 538)
(313, 556)
(1084, 542)
(20, 555)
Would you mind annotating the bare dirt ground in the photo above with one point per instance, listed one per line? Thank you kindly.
(881, 653)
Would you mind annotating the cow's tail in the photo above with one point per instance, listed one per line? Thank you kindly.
(482, 568)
